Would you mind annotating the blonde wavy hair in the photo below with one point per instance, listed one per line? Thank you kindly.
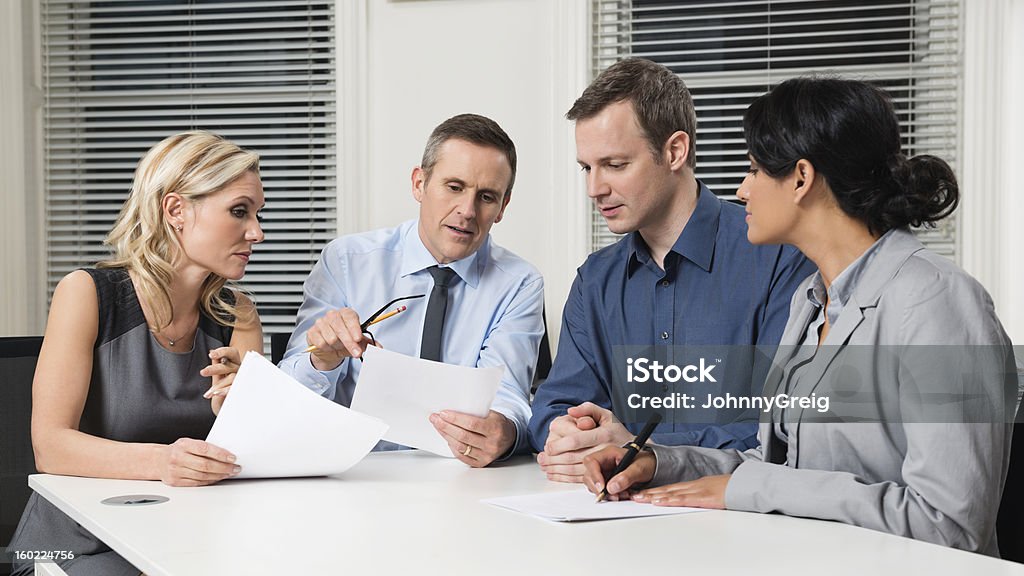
(193, 164)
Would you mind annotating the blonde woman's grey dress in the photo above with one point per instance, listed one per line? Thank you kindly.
(139, 392)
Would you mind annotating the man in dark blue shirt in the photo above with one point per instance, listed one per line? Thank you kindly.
(684, 277)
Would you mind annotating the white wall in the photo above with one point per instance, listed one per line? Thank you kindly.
(22, 280)
(992, 236)
(520, 62)
(1011, 286)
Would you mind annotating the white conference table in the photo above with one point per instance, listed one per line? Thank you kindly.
(411, 512)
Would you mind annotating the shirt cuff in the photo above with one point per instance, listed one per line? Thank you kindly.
(520, 443)
(660, 474)
(672, 464)
(318, 381)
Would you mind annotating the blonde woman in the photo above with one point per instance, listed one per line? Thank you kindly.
(140, 351)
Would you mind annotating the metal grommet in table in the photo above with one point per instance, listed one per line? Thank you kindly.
(135, 500)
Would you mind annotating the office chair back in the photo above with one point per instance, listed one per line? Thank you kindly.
(543, 357)
(278, 346)
(1010, 522)
(17, 366)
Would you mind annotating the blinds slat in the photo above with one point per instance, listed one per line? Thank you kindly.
(250, 143)
(191, 100)
(69, 66)
(763, 77)
(129, 163)
(197, 42)
(292, 121)
(185, 80)
(89, 188)
(84, 51)
(126, 74)
(60, 176)
(815, 25)
(112, 6)
(194, 113)
(768, 37)
(775, 57)
(317, 15)
(128, 97)
(775, 7)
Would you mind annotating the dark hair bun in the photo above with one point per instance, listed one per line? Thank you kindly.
(925, 191)
(849, 131)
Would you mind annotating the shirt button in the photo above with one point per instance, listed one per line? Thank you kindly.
(664, 335)
(665, 283)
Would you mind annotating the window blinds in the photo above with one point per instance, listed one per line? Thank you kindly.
(121, 75)
(728, 53)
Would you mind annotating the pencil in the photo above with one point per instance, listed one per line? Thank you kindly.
(380, 318)
(388, 315)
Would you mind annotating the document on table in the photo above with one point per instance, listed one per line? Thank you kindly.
(277, 427)
(404, 391)
(580, 505)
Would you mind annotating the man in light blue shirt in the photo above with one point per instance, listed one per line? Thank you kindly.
(494, 299)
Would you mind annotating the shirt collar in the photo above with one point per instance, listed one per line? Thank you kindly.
(844, 284)
(696, 243)
(416, 257)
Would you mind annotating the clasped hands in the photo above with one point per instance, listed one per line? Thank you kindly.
(584, 446)
(585, 429)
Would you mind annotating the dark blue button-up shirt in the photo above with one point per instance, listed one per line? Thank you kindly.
(716, 289)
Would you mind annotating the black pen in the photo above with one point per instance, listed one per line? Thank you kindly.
(633, 448)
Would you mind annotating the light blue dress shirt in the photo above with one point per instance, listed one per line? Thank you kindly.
(493, 317)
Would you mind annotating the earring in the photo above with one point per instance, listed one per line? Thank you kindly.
(179, 228)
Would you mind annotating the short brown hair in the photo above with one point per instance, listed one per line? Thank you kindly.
(660, 99)
(472, 128)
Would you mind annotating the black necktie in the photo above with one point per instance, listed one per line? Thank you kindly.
(437, 305)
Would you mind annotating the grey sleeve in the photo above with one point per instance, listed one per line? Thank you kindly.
(682, 463)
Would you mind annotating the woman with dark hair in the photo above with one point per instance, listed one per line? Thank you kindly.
(884, 321)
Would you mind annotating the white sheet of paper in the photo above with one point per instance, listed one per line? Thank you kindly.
(277, 427)
(404, 391)
(578, 506)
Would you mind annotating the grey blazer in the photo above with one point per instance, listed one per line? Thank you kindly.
(937, 480)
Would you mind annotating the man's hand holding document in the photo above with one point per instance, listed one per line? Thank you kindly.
(276, 427)
(404, 391)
